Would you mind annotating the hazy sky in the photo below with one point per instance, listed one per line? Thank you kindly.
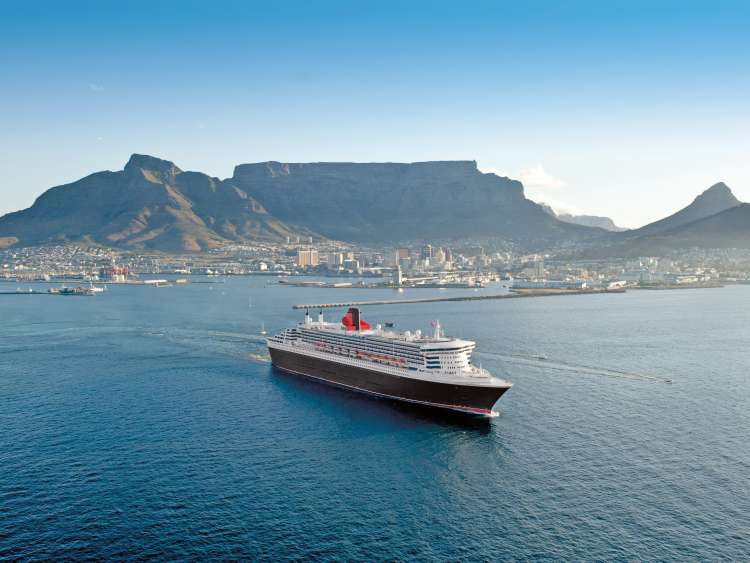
(627, 109)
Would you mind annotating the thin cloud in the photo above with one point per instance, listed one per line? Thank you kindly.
(538, 178)
(96, 87)
(560, 207)
(539, 185)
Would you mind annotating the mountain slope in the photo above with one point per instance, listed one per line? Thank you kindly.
(150, 204)
(715, 199)
(586, 220)
(727, 229)
(374, 202)
(591, 221)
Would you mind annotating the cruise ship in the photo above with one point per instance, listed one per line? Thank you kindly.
(428, 369)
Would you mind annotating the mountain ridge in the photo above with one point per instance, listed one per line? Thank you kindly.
(376, 202)
(153, 204)
(150, 204)
(598, 221)
(729, 228)
(714, 219)
(715, 199)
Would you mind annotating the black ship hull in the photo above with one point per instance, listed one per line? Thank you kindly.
(465, 398)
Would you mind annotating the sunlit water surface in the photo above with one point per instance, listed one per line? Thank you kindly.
(148, 423)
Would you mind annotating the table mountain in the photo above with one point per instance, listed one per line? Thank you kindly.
(150, 204)
(377, 202)
(153, 204)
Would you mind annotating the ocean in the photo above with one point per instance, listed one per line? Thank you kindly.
(148, 423)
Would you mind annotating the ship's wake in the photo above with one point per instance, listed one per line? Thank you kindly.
(237, 345)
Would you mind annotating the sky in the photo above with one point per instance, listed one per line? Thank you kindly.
(626, 109)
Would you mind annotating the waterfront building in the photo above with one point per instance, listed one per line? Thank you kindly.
(335, 260)
(398, 276)
(114, 273)
(307, 258)
(351, 265)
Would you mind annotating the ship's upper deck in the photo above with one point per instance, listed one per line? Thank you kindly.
(435, 341)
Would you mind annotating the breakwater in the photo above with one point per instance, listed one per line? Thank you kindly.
(514, 295)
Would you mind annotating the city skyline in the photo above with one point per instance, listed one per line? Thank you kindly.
(624, 110)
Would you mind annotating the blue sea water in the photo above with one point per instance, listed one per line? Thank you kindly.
(148, 423)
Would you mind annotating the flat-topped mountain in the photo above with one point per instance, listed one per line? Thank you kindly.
(374, 202)
(151, 203)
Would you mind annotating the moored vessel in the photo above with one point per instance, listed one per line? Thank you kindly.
(433, 370)
(71, 291)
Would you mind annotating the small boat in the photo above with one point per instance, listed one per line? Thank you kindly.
(263, 329)
(75, 291)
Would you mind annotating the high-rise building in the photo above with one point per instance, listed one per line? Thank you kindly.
(398, 276)
(426, 252)
(438, 256)
(307, 258)
(335, 260)
(539, 268)
(352, 265)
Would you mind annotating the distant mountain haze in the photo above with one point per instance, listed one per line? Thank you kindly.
(591, 221)
(153, 204)
(586, 220)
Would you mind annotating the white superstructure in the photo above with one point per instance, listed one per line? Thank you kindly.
(433, 357)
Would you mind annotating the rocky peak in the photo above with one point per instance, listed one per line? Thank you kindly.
(718, 195)
(151, 167)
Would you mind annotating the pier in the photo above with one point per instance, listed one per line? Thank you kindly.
(514, 295)
(27, 292)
